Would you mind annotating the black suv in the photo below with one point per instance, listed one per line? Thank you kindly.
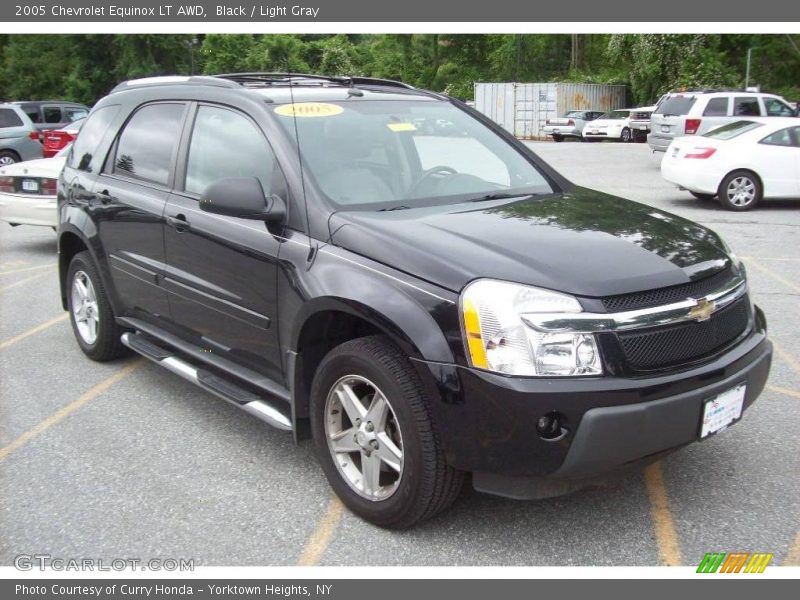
(424, 306)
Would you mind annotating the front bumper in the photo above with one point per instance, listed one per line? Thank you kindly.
(488, 421)
(29, 209)
(562, 130)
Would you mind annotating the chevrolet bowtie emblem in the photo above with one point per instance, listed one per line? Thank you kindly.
(703, 310)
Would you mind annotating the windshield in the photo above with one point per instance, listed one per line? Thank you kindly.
(676, 106)
(575, 114)
(386, 154)
(731, 130)
(615, 115)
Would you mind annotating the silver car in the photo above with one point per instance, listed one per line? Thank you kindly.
(19, 139)
(570, 125)
(695, 112)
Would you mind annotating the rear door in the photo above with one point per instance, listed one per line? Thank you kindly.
(777, 161)
(715, 114)
(128, 202)
(222, 271)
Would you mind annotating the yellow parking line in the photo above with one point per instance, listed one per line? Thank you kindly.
(22, 282)
(777, 276)
(10, 271)
(783, 390)
(792, 559)
(318, 542)
(67, 410)
(779, 350)
(32, 331)
(666, 535)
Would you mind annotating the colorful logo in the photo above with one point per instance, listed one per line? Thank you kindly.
(734, 562)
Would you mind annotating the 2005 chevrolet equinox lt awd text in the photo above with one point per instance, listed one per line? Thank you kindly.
(425, 303)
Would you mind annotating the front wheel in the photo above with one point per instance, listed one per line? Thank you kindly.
(625, 136)
(92, 319)
(374, 435)
(740, 190)
(558, 138)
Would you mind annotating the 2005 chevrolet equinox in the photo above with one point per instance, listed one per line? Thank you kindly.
(385, 270)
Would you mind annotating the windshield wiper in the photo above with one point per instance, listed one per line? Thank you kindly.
(398, 207)
(498, 196)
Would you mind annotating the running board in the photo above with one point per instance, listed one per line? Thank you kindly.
(222, 387)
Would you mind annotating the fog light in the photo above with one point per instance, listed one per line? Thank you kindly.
(551, 426)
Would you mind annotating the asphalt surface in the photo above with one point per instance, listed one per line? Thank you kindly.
(149, 466)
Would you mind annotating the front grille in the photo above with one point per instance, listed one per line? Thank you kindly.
(667, 295)
(672, 345)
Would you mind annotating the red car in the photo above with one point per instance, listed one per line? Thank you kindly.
(56, 139)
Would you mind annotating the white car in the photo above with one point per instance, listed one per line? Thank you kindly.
(614, 125)
(639, 122)
(740, 162)
(28, 191)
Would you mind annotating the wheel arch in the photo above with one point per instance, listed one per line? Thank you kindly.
(71, 241)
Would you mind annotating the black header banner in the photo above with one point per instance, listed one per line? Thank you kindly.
(407, 11)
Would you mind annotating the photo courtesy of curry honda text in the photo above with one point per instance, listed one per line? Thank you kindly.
(386, 271)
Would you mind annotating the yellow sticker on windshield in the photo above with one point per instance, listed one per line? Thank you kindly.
(309, 109)
(402, 126)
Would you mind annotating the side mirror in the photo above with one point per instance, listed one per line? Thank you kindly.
(242, 197)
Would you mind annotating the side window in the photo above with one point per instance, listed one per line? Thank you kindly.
(90, 136)
(226, 144)
(746, 107)
(52, 114)
(776, 108)
(717, 107)
(33, 112)
(9, 118)
(785, 137)
(73, 113)
(147, 144)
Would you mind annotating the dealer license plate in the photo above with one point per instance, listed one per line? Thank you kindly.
(665, 128)
(30, 185)
(722, 411)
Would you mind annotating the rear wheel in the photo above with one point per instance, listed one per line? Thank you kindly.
(92, 319)
(700, 196)
(740, 190)
(625, 136)
(8, 157)
(558, 138)
(374, 436)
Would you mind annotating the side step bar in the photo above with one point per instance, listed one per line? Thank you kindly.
(224, 388)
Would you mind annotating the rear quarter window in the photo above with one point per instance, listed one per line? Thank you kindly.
(9, 118)
(91, 134)
(676, 106)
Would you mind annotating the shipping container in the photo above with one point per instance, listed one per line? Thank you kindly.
(523, 108)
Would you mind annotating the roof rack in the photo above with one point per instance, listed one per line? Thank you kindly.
(265, 78)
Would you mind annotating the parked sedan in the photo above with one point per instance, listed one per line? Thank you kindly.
(740, 163)
(614, 125)
(56, 139)
(639, 122)
(28, 191)
(570, 125)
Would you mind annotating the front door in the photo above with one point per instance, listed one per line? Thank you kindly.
(222, 271)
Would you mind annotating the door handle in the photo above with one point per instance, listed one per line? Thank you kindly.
(179, 223)
(104, 197)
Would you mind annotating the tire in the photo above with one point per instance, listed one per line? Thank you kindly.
(625, 136)
(700, 196)
(8, 157)
(558, 138)
(740, 190)
(105, 344)
(423, 484)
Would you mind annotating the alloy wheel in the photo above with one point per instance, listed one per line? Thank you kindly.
(84, 307)
(741, 191)
(364, 437)
(6, 161)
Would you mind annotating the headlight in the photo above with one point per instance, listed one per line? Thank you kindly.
(498, 340)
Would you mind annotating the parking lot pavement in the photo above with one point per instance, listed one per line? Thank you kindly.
(126, 460)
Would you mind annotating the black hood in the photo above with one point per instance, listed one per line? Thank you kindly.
(581, 242)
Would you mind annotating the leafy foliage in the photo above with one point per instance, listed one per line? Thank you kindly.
(84, 67)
